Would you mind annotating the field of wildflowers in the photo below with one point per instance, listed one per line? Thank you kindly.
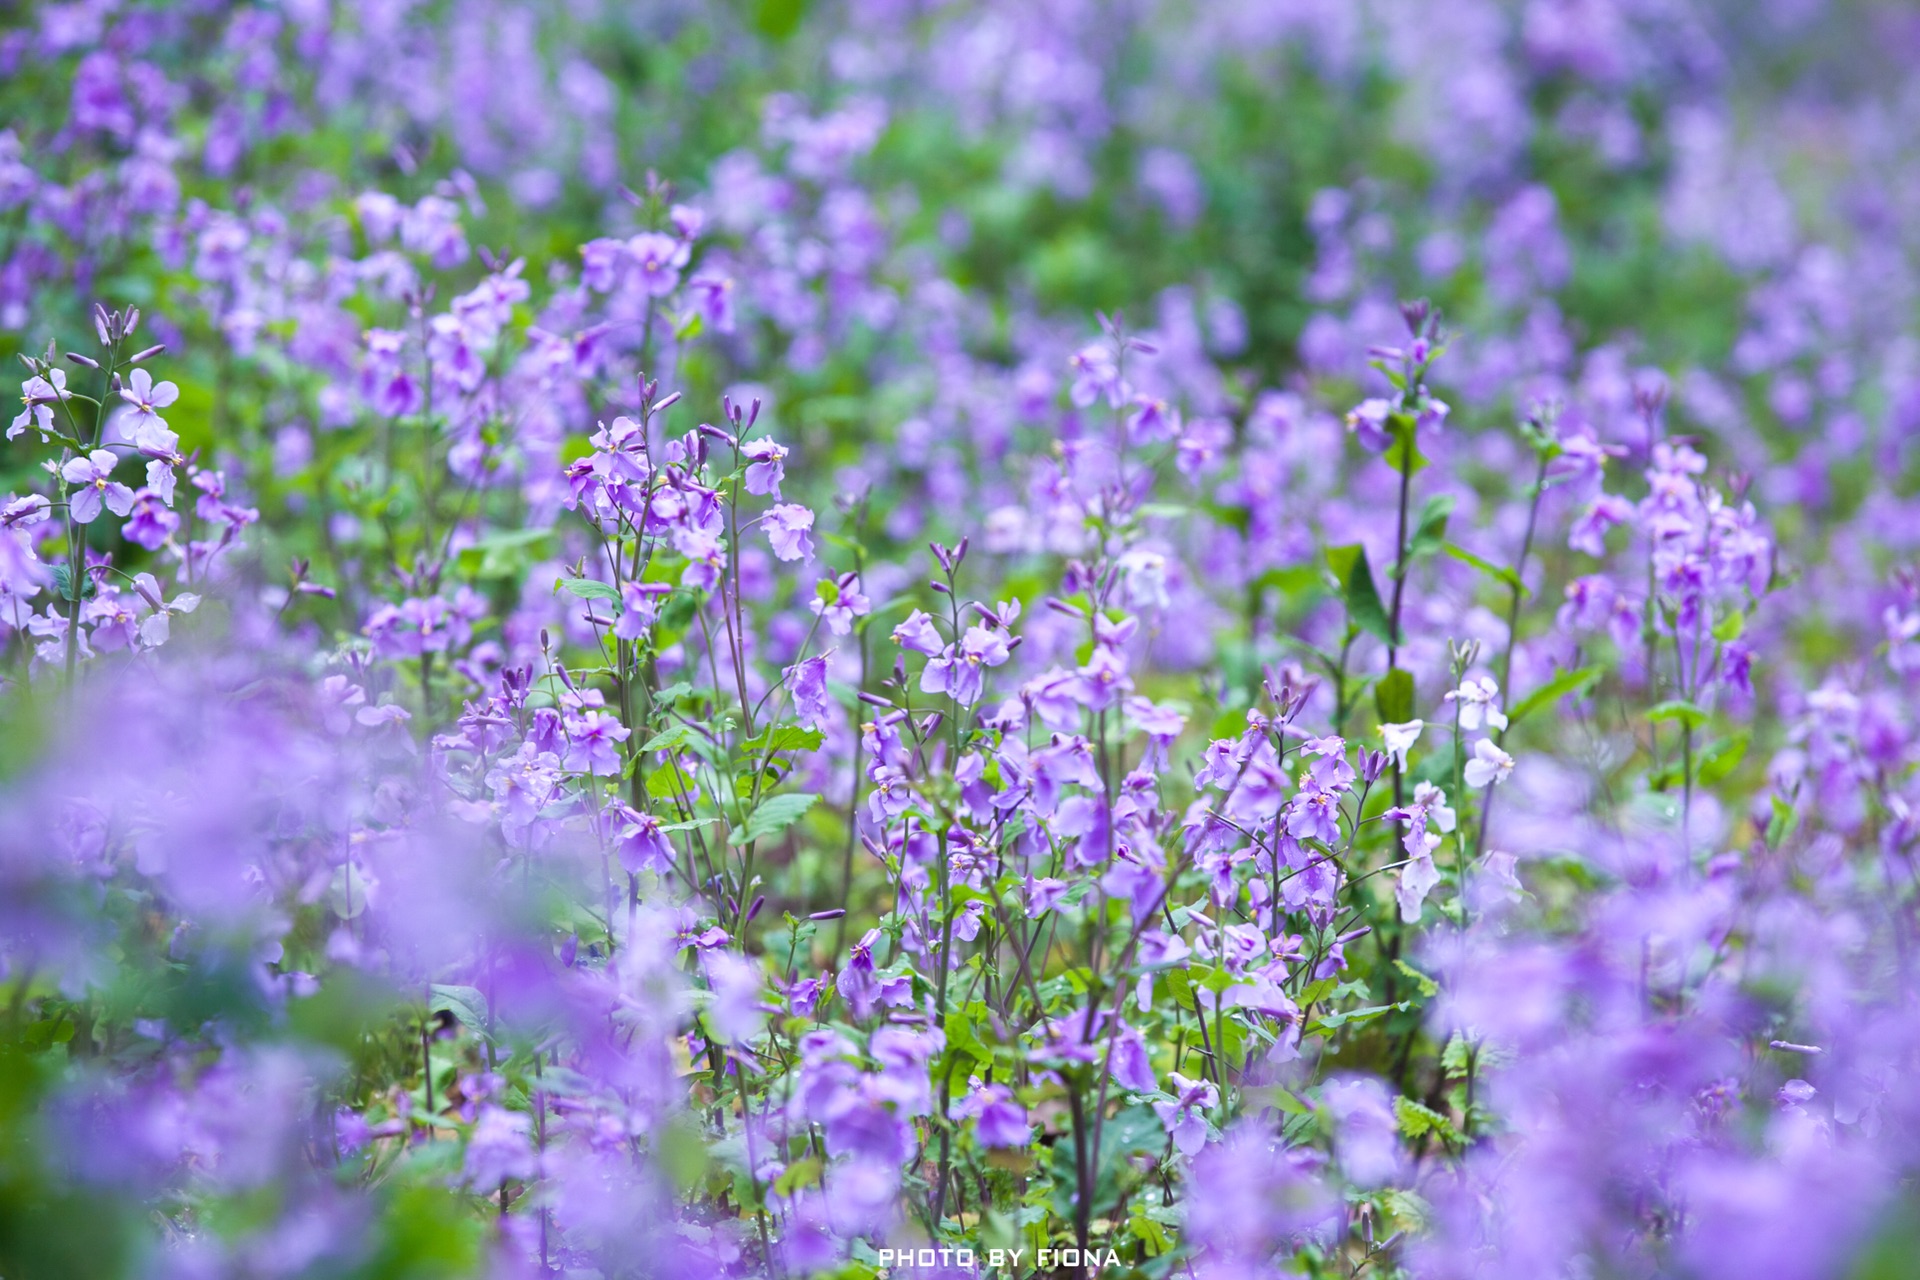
(932, 638)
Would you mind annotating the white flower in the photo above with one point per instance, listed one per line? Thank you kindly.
(1489, 765)
(1433, 802)
(1417, 879)
(1499, 869)
(1401, 737)
(1477, 705)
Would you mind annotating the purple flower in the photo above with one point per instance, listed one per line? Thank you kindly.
(644, 846)
(38, 395)
(659, 259)
(711, 298)
(838, 601)
(918, 634)
(790, 531)
(94, 488)
(737, 1012)
(500, 1150)
(766, 468)
(600, 262)
(1366, 1133)
(1185, 1115)
(639, 606)
(999, 1121)
(148, 397)
(592, 740)
(1367, 421)
(1314, 815)
(959, 671)
(807, 682)
(1589, 530)
(150, 524)
(1489, 765)
(1130, 1065)
(1418, 878)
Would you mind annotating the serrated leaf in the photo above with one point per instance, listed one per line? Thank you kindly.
(590, 589)
(1354, 577)
(1566, 684)
(1426, 985)
(772, 816)
(669, 782)
(667, 739)
(1417, 1119)
(1317, 991)
(1393, 696)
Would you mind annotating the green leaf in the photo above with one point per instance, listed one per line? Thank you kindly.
(1730, 628)
(1410, 1212)
(801, 1173)
(1393, 696)
(669, 782)
(778, 19)
(675, 735)
(1782, 823)
(1417, 1119)
(1334, 1021)
(1315, 992)
(504, 554)
(590, 589)
(1427, 986)
(1431, 533)
(1679, 710)
(1354, 577)
(1722, 758)
(1151, 1235)
(1487, 567)
(786, 737)
(774, 815)
(681, 1150)
(1404, 453)
(464, 1003)
(1566, 684)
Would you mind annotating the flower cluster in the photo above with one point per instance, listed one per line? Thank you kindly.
(721, 720)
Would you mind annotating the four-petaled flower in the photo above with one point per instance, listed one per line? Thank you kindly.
(1476, 699)
(93, 487)
(148, 397)
(1490, 765)
(38, 395)
(790, 531)
(1400, 738)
